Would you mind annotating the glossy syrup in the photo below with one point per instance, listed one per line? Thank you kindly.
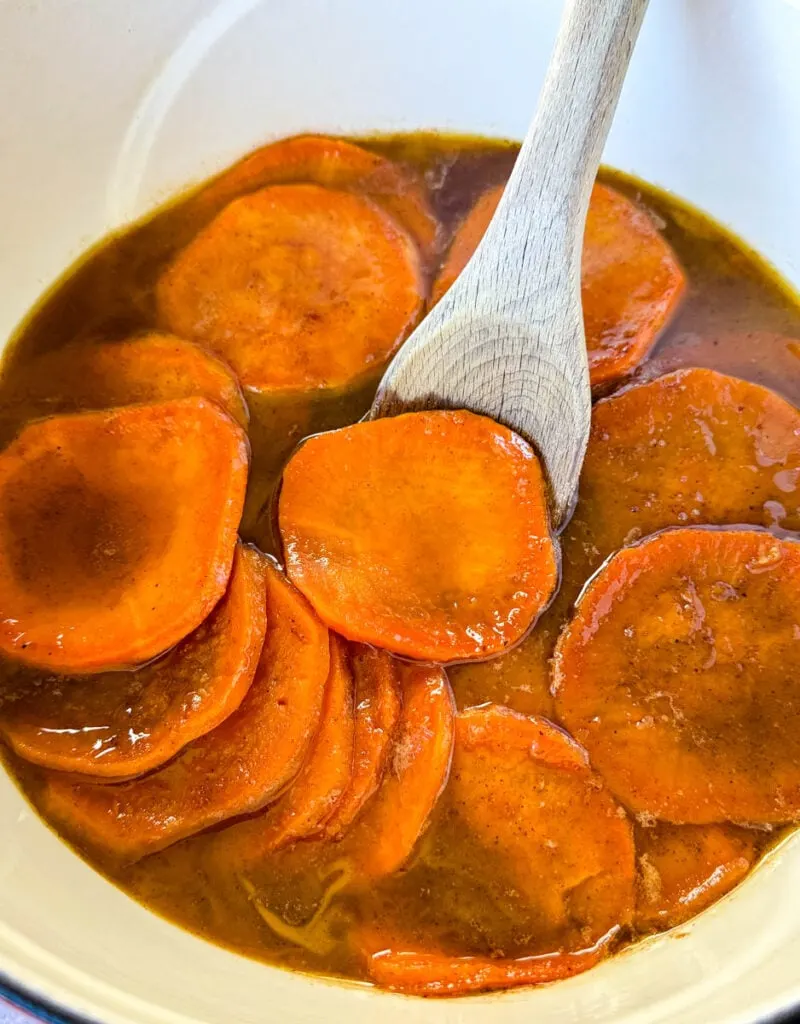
(737, 317)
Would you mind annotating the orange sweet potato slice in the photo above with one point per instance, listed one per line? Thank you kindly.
(425, 534)
(526, 874)
(100, 375)
(298, 287)
(523, 788)
(380, 840)
(317, 789)
(234, 770)
(631, 284)
(673, 674)
(631, 279)
(126, 723)
(305, 878)
(335, 164)
(694, 447)
(377, 711)
(685, 868)
(117, 532)
(383, 837)
(417, 973)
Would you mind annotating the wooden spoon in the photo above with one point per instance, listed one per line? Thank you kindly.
(507, 339)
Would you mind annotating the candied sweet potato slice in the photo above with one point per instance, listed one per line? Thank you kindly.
(337, 164)
(234, 770)
(102, 374)
(298, 287)
(693, 447)
(126, 723)
(674, 674)
(685, 868)
(425, 534)
(377, 711)
(631, 284)
(117, 532)
(631, 280)
(304, 879)
(418, 973)
(523, 788)
(528, 865)
(280, 879)
(305, 806)
(385, 834)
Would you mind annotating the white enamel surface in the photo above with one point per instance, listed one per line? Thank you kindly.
(108, 107)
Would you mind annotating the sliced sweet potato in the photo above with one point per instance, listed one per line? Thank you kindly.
(418, 973)
(524, 790)
(234, 770)
(100, 375)
(383, 837)
(336, 164)
(685, 868)
(309, 801)
(425, 534)
(527, 864)
(377, 711)
(295, 889)
(298, 287)
(673, 674)
(631, 284)
(117, 532)
(126, 723)
(694, 447)
(631, 279)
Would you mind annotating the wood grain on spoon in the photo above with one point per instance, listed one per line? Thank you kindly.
(507, 340)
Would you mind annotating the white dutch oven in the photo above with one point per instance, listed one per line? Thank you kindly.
(109, 106)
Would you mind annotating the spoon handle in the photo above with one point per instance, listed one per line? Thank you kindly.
(553, 176)
(507, 339)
